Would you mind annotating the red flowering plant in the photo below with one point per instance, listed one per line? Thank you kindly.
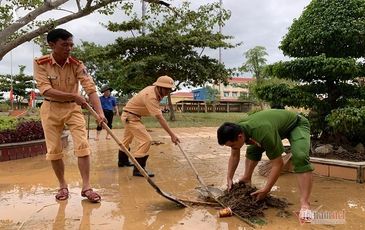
(20, 130)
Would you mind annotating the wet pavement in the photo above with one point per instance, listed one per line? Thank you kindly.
(27, 189)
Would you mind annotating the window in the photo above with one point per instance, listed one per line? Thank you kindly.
(226, 94)
(235, 94)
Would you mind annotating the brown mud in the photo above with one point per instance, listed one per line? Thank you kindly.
(243, 204)
(28, 186)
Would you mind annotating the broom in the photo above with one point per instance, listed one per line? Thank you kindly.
(265, 168)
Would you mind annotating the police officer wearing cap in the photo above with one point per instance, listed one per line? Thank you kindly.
(109, 105)
(145, 103)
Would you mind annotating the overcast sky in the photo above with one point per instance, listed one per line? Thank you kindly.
(254, 23)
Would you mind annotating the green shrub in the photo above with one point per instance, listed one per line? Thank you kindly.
(7, 122)
(4, 107)
(350, 122)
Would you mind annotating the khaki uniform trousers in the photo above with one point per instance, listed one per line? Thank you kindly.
(133, 128)
(54, 116)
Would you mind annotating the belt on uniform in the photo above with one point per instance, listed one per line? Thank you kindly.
(59, 101)
(132, 113)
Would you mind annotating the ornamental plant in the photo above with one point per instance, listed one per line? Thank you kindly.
(327, 49)
(20, 130)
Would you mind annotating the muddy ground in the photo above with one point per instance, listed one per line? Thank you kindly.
(239, 200)
(28, 186)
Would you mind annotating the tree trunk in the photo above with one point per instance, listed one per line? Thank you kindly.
(171, 107)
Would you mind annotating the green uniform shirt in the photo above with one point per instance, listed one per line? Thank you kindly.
(264, 131)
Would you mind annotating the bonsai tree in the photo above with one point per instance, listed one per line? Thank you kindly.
(325, 44)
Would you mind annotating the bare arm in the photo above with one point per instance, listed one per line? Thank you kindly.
(166, 127)
(277, 165)
(95, 101)
(234, 159)
(63, 96)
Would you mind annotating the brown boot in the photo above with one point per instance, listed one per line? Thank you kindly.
(142, 161)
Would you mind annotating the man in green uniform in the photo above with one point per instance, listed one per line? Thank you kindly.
(264, 131)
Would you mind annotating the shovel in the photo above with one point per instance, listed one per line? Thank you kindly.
(212, 191)
(136, 164)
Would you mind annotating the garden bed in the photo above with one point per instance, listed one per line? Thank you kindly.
(20, 150)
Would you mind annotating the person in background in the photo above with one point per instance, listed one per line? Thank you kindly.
(109, 105)
(58, 76)
(145, 103)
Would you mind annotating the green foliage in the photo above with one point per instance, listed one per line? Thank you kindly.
(332, 27)
(318, 68)
(212, 94)
(21, 84)
(326, 83)
(280, 92)
(7, 123)
(255, 62)
(4, 107)
(326, 40)
(349, 122)
(24, 20)
(172, 44)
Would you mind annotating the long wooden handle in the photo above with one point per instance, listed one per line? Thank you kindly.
(201, 181)
(123, 148)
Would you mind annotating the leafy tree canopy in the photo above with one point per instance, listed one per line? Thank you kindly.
(255, 61)
(327, 42)
(164, 43)
(331, 27)
(21, 84)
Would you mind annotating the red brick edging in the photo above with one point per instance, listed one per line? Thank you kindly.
(20, 150)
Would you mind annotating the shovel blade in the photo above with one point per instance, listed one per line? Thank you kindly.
(172, 198)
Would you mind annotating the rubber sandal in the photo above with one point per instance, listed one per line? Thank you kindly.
(306, 215)
(62, 194)
(92, 196)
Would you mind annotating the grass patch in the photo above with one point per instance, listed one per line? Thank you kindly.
(182, 120)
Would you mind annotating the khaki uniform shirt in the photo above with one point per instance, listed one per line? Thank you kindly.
(49, 75)
(145, 103)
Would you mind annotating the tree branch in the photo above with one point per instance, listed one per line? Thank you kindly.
(6, 46)
(11, 29)
(78, 5)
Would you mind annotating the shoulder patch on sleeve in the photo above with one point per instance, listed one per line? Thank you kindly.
(74, 60)
(44, 60)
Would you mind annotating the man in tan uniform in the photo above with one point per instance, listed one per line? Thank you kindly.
(58, 76)
(145, 103)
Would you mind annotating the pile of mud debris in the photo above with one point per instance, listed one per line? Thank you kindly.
(243, 204)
